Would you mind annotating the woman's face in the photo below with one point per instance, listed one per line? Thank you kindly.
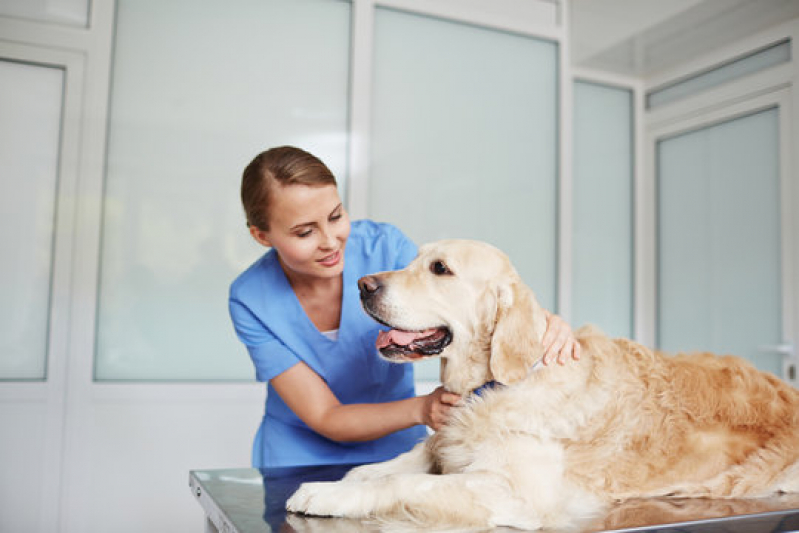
(308, 227)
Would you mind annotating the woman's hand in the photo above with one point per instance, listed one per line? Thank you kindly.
(436, 407)
(559, 341)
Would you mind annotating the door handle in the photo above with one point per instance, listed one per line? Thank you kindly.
(790, 363)
(786, 348)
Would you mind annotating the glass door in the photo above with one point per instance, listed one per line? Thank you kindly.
(719, 235)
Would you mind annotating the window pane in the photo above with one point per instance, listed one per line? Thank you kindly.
(719, 240)
(464, 139)
(68, 12)
(199, 88)
(30, 125)
(755, 62)
(602, 253)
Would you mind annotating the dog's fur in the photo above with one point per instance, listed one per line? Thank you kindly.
(555, 442)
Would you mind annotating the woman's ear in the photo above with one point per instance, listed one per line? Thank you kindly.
(260, 236)
(516, 342)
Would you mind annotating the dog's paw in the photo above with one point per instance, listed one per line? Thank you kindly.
(326, 498)
(313, 499)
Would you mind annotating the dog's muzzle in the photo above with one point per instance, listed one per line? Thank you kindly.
(399, 344)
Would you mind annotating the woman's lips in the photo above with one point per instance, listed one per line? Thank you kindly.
(330, 260)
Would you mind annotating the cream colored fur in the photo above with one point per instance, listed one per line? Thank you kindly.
(559, 442)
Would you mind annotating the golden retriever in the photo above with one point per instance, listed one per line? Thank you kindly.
(549, 444)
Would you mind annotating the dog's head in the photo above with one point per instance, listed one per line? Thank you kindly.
(463, 301)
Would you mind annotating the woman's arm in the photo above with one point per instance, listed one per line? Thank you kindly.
(309, 397)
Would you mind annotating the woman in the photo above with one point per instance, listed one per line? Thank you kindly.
(331, 399)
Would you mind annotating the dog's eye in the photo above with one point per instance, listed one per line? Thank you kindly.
(439, 268)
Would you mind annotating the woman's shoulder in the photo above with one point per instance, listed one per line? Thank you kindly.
(254, 276)
(370, 231)
(379, 246)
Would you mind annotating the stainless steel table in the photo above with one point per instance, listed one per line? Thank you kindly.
(253, 501)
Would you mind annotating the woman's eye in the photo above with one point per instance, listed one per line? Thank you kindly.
(439, 268)
(304, 234)
(335, 217)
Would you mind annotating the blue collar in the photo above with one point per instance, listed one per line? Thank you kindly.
(486, 386)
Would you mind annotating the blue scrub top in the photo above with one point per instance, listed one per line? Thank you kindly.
(270, 321)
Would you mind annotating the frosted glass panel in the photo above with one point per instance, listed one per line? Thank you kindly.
(464, 140)
(67, 12)
(755, 62)
(30, 125)
(719, 239)
(602, 195)
(199, 88)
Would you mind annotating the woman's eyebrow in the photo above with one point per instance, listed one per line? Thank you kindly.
(302, 225)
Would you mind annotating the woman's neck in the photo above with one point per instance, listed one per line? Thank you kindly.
(320, 298)
(305, 284)
(316, 287)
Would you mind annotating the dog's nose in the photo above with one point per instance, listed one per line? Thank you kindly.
(369, 285)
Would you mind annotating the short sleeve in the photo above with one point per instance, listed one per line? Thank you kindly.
(269, 355)
(406, 248)
(271, 359)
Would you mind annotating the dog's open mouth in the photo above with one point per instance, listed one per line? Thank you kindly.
(411, 345)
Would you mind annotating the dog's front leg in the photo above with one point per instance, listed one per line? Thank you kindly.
(417, 460)
(473, 500)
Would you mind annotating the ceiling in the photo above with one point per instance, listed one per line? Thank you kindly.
(643, 37)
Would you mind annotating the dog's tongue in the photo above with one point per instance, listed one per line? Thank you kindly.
(400, 338)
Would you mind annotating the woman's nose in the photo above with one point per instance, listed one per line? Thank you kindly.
(328, 240)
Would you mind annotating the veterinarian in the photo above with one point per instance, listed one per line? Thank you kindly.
(331, 398)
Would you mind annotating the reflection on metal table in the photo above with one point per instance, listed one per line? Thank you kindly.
(249, 500)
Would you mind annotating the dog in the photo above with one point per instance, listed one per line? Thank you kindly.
(547, 445)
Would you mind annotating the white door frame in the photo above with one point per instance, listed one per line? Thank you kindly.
(770, 90)
(51, 391)
(541, 19)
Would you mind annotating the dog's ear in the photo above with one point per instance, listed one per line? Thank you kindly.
(520, 325)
